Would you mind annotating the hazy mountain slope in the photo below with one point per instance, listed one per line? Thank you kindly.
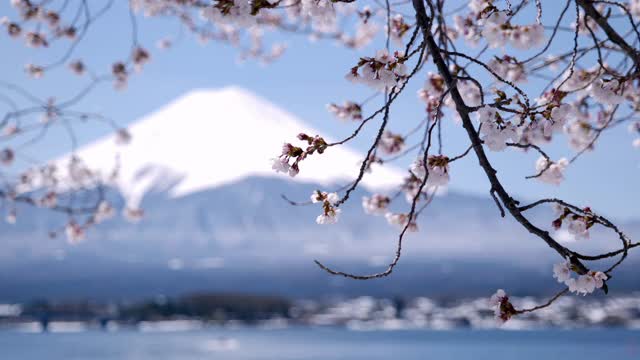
(244, 237)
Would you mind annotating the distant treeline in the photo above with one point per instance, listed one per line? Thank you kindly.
(218, 307)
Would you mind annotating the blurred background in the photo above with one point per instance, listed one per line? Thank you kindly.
(221, 266)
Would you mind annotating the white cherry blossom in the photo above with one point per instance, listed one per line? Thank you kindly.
(438, 167)
(562, 271)
(377, 204)
(75, 233)
(578, 227)
(551, 173)
(606, 91)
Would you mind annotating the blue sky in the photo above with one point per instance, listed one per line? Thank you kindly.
(303, 81)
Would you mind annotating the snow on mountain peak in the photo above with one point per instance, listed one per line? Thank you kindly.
(209, 138)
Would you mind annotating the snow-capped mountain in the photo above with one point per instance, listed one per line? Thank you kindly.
(209, 138)
(214, 220)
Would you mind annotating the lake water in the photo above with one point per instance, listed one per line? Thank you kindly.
(323, 343)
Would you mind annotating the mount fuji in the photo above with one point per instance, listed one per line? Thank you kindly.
(210, 138)
(215, 221)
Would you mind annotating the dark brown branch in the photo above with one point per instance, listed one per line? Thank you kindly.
(463, 111)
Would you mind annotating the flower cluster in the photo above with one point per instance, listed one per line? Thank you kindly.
(581, 134)
(496, 132)
(498, 31)
(398, 29)
(104, 212)
(330, 212)
(402, 220)
(503, 309)
(551, 172)
(365, 33)
(508, 67)
(391, 143)
(289, 152)
(578, 79)
(75, 233)
(321, 13)
(606, 91)
(379, 72)
(120, 74)
(140, 57)
(347, 111)
(467, 27)
(555, 114)
(377, 204)
(437, 167)
(577, 225)
(432, 91)
(34, 71)
(49, 200)
(583, 284)
(77, 67)
(236, 12)
(634, 7)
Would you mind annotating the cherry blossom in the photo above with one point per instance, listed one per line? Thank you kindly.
(391, 143)
(578, 224)
(587, 283)
(581, 135)
(562, 271)
(470, 94)
(49, 200)
(398, 29)
(75, 233)
(432, 91)
(140, 57)
(498, 32)
(606, 91)
(508, 68)
(502, 308)
(330, 212)
(579, 227)
(34, 71)
(558, 117)
(495, 132)
(316, 144)
(380, 72)
(467, 27)
(377, 204)
(348, 111)
(330, 216)
(119, 71)
(77, 67)
(551, 172)
(401, 220)
(634, 7)
(438, 168)
(104, 212)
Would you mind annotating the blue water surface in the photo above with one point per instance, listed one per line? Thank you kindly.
(324, 344)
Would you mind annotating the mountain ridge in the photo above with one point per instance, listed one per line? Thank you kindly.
(208, 138)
